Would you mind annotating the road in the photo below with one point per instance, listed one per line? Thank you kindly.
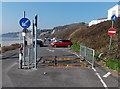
(53, 76)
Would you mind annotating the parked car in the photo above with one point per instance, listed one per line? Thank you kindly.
(39, 42)
(59, 43)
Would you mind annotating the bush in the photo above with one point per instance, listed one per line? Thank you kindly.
(75, 46)
(96, 56)
(113, 64)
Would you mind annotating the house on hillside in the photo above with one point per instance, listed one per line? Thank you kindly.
(115, 10)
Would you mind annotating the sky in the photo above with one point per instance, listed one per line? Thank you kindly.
(51, 14)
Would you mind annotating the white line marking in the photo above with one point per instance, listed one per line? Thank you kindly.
(50, 50)
(104, 84)
(74, 53)
(11, 66)
(106, 75)
(102, 81)
(94, 69)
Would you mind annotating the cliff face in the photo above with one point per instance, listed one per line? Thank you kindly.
(63, 32)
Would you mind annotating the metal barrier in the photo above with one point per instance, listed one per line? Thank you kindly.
(27, 57)
(87, 54)
(38, 51)
(31, 57)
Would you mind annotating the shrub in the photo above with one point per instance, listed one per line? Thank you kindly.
(113, 64)
(96, 56)
(75, 46)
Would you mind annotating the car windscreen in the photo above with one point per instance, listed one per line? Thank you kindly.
(64, 41)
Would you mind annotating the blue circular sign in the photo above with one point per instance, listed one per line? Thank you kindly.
(25, 23)
(114, 18)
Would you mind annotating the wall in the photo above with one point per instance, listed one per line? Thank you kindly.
(114, 11)
(93, 22)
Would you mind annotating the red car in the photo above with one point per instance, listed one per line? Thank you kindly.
(59, 43)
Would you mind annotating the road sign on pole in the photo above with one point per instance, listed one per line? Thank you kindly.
(111, 31)
(114, 18)
(25, 23)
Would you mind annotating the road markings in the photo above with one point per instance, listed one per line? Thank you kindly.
(102, 81)
(50, 50)
(74, 53)
(94, 69)
(106, 75)
(104, 84)
(11, 66)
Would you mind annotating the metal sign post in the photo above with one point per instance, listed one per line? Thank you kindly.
(24, 23)
(33, 33)
(113, 18)
(110, 43)
(35, 41)
(24, 44)
(111, 37)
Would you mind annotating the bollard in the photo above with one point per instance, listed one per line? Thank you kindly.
(20, 57)
(20, 61)
(55, 60)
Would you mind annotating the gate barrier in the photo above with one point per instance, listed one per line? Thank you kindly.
(87, 54)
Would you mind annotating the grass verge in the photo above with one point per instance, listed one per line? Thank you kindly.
(113, 64)
(11, 47)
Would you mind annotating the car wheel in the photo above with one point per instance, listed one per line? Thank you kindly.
(55, 46)
(68, 46)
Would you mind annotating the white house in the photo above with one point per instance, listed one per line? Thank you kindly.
(115, 10)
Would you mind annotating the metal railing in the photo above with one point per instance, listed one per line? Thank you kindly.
(31, 57)
(87, 54)
(38, 51)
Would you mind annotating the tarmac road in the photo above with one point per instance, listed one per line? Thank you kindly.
(53, 76)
